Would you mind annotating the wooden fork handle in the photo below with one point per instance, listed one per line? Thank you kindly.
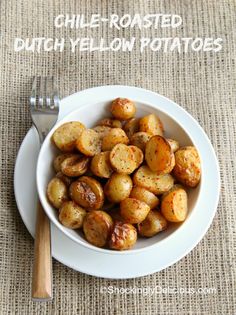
(42, 269)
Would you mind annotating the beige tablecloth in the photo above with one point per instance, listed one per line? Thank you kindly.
(204, 83)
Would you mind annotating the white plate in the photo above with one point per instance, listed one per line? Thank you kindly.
(149, 261)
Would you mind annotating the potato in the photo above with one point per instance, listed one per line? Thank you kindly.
(67, 180)
(75, 165)
(131, 127)
(118, 187)
(102, 130)
(89, 143)
(97, 227)
(173, 144)
(101, 166)
(123, 159)
(187, 168)
(153, 224)
(158, 184)
(174, 205)
(109, 122)
(66, 135)
(145, 195)
(151, 124)
(124, 236)
(113, 137)
(59, 159)
(57, 192)
(140, 139)
(123, 109)
(87, 192)
(133, 210)
(158, 155)
(71, 215)
(138, 155)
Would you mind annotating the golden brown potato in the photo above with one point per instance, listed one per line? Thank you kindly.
(124, 236)
(158, 184)
(109, 122)
(140, 139)
(102, 131)
(66, 135)
(87, 192)
(123, 159)
(158, 155)
(152, 125)
(174, 205)
(138, 155)
(89, 142)
(173, 144)
(133, 210)
(145, 195)
(113, 137)
(67, 180)
(57, 192)
(118, 187)
(131, 127)
(187, 168)
(153, 224)
(123, 109)
(71, 215)
(101, 166)
(59, 159)
(97, 227)
(75, 165)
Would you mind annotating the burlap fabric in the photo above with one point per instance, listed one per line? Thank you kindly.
(203, 83)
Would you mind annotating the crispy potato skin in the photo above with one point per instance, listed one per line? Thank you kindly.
(101, 165)
(123, 159)
(59, 159)
(140, 139)
(187, 168)
(133, 210)
(89, 142)
(123, 108)
(152, 125)
(145, 195)
(153, 224)
(113, 137)
(174, 205)
(71, 215)
(123, 237)
(102, 131)
(57, 192)
(138, 154)
(97, 227)
(131, 127)
(173, 144)
(66, 135)
(118, 187)
(75, 165)
(109, 122)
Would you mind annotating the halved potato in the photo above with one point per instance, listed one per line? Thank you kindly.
(71, 215)
(109, 122)
(124, 236)
(133, 210)
(151, 124)
(123, 159)
(113, 137)
(123, 108)
(153, 224)
(158, 184)
(59, 159)
(118, 187)
(131, 127)
(145, 195)
(101, 166)
(138, 155)
(173, 144)
(66, 135)
(174, 205)
(102, 130)
(57, 192)
(75, 165)
(140, 139)
(89, 143)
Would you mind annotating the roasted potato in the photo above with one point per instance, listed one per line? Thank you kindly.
(101, 166)
(187, 168)
(87, 192)
(109, 122)
(174, 205)
(124, 236)
(159, 156)
(59, 159)
(131, 127)
(123, 109)
(89, 142)
(57, 192)
(71, 215)
(123, 159)
(151, 124)
(140, 139)
(113, 137)
(138, 154)
(118, 187)
(133, 210)
(173, 144)
(102, 130)
(158, 184)
(67, 180)
(153, 224)
(97, 227)
(66, 135)
(145, 195)
(75, 165)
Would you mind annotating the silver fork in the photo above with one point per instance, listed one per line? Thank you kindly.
(44, 109)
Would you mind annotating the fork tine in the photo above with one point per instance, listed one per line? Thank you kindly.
(33, 93)
(42, 90)
(56, 99)
(49, 91)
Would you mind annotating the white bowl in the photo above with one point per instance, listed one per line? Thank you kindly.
(90, 115)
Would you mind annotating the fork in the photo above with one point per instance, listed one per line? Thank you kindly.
(44, 109)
